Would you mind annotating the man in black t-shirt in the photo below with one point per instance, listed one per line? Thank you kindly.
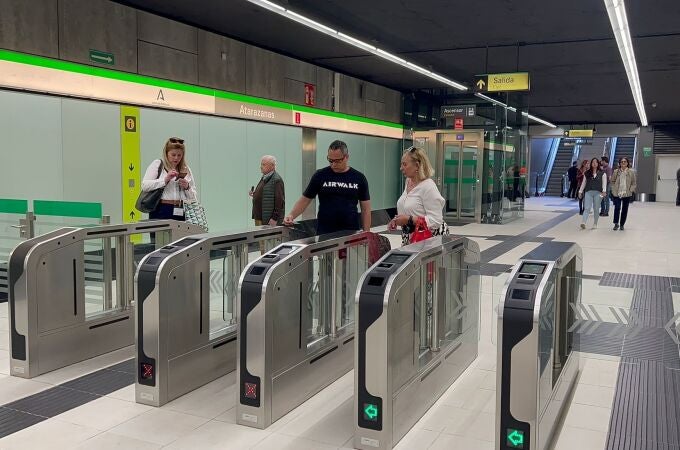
(339, 188)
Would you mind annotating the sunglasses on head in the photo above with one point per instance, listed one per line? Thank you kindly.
(411, 149)
(174, 140)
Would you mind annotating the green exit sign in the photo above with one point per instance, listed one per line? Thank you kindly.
(514, 438)
(371, 412)
(98, 56)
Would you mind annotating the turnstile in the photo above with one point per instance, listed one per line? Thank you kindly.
(296, 330)
(186, 320)
(417, 331)
(536, 364)
(71, 292)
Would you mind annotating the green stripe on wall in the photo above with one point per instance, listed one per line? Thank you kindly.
(13, 206)
(455, 180)
(67, 209)
(49, 63)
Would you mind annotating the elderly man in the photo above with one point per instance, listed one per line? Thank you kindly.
(269, 197)
(339, 188)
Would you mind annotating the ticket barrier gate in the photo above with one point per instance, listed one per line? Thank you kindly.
(537, 367)
(71, 292)
(417, 331)
(296, 306)
(185, 318)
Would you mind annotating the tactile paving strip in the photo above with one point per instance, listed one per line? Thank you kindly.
(35, 408)
(646, 407)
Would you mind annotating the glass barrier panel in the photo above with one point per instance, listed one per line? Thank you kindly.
(225, 269)
(458, 312)
(100, 277)
(352, 264)
(9, 238)
(494, 288)
(316, 311)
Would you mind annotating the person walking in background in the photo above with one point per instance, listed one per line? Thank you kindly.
(593, 188)
(420, 198)
(269, 197)
(624, 185)
(173, 174)
(572, 174)
(677, 196)
(339, 188)
(607, 169)
(585, 165)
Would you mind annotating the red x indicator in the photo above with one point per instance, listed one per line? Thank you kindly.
(251, 390)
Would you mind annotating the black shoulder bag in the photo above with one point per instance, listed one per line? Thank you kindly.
(148, 201)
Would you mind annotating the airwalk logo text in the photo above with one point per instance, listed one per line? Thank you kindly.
(341, 184)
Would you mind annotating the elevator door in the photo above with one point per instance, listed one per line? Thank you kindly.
(461, 181)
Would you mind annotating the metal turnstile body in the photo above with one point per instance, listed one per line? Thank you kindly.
(417, 331)
(536, 365)
(296, 330)
(185, 318)
(71, 293)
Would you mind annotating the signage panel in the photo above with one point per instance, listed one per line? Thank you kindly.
(502, 82)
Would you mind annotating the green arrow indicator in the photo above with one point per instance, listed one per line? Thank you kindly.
(515, 438)
(370, 411)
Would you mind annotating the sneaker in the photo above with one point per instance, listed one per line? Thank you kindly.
(583, 226)
(605, 215)
(621, 228)
(616, 226)
(594, 227)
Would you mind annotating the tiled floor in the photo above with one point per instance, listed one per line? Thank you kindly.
(462, 418)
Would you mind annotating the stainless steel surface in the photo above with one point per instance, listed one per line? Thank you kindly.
(406, 364)
(539, 383)
(185, 322)
(56, 318)
(291, 339)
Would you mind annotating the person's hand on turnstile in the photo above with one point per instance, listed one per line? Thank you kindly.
(288, 221)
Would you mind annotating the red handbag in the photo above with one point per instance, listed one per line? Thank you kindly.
(421, 231)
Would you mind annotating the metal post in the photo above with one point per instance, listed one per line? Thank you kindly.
(26, 226)
(121, 274)
(434, 320)
(334, 294)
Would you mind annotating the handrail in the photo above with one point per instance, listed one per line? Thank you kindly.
(550, 162)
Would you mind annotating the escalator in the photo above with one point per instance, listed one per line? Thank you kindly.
(625, 147)
(562, 162)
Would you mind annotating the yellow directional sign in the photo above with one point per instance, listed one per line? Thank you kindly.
(579, 133)
(502, 82)
(131, 160)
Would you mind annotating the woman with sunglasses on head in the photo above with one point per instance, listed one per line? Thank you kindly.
(420, 199)
(593, 189)
(624, 185)
(173, 175)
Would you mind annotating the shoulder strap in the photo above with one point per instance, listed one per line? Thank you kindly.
(160, 168)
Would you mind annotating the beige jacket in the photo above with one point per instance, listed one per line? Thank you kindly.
(631, 185)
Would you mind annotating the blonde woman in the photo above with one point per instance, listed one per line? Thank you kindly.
(173, 175)
(420, 198)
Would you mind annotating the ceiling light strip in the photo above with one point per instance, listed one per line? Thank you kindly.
(510, 108)
(355, 42)
(616, 10)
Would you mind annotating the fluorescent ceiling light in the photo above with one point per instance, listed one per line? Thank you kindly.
(510, 108)
(616, 10)
(355, 42)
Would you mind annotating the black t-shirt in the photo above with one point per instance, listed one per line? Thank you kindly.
(338, 196)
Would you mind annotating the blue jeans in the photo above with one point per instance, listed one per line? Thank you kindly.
(591, 201)
(604, 205)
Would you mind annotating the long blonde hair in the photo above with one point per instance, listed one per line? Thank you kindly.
(174, 143)
(419, 157)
